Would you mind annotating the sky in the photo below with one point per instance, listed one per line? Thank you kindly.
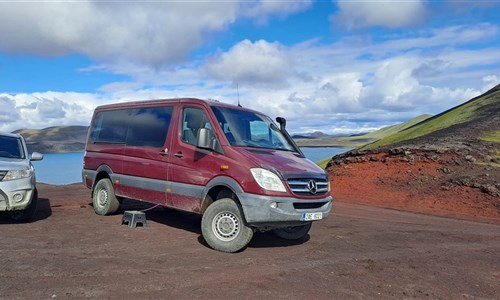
(339, 67)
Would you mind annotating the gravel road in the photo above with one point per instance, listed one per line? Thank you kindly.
(359, 252)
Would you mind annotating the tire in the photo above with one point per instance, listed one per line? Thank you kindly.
(27, 214)
(293, 233)
(104, 199)
(224, 228)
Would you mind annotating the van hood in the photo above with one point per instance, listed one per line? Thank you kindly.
(288, 164)
(13, 164)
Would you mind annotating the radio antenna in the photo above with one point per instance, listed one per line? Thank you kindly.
(238, 92)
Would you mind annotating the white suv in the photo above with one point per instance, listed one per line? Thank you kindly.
(18, 194)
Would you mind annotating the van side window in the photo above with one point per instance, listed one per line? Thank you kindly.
(144, 127)
(110, 127)
(192, 120)
(148, 127)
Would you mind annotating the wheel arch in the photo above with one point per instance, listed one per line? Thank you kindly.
(219, 188)
(104, 171)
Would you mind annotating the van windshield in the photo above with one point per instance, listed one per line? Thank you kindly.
(11, 147)
(249, 129)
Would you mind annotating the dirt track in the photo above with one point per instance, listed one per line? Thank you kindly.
(358, 252)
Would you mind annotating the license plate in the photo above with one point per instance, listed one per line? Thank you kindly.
(312, 216)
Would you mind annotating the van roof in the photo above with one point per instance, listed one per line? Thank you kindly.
(14, 135)
(150, 103)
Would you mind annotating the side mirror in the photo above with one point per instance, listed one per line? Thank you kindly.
(36, 156)
(206, 139)
(282, 122)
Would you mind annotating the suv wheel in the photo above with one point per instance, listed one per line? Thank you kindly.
(224, 228)
(104, 199)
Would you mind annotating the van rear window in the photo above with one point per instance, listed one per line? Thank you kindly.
(143, 127)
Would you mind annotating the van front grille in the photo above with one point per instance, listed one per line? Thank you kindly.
(308, 186)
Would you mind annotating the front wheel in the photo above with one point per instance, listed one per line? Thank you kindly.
(223, 227)
(104, 199)
(293, 233)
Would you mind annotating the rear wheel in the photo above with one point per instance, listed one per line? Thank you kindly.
(293, 233)
(28, 213)
(223, 227)
(104, 199)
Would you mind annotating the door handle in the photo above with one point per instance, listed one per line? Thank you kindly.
(164, 152)
(179, 155)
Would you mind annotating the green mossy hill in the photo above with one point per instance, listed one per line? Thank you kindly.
(358, 140)
(55, 139)
(476, 119)
(384, 132)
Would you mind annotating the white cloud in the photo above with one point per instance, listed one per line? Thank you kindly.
(490, 81)
(260, 63)
(333, 87)
(51, 109)
(8, 109)
(41, 110)
(152, 33)
(262, 10)
(355, 82)
(392, 14)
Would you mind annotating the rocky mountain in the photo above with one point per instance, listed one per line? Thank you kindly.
(448, 164)
(55, 139)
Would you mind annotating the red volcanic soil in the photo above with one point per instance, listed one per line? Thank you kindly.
(443, 184)
(358, 252)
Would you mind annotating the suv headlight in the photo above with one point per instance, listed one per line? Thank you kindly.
(18, 174)
(268, 180)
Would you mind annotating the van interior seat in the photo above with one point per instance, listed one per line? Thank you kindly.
(194, 121)
(188, 136)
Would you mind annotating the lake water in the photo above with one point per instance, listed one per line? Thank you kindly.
(59, 168)
(319, 153)
(66, 168)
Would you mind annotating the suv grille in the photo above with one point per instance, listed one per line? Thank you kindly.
(2, 174)
(308, 186)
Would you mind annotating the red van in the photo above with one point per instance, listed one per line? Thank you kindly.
(233, 165)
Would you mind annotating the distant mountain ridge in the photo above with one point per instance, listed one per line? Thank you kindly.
(56, 139)
(310, 135)
(354, 140)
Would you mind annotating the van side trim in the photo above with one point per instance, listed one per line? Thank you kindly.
(185, 189)
(156, 185)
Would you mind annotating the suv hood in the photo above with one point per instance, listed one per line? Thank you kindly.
(13, 164)
(286, 163)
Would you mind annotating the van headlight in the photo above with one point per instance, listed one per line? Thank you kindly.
(268, 180)
(18, 174)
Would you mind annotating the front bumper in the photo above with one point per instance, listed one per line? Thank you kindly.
(16, 194)
(274, 212)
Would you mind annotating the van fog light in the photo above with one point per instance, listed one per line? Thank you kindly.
(274, 205)
(18, 197)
